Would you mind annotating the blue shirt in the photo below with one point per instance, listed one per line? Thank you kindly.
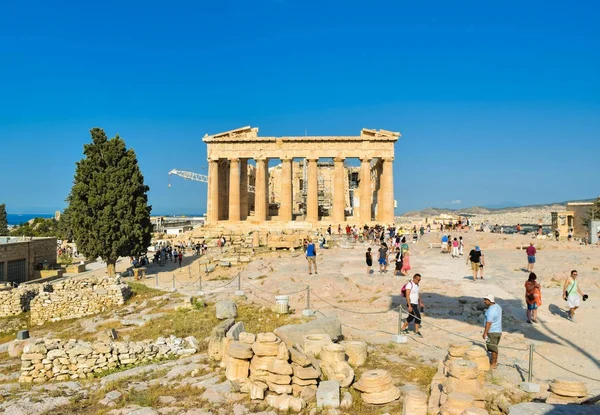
(444, 238)
(494, 315)
(310, 250)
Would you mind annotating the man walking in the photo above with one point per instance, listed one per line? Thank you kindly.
(383, 257)
(572, 294)
(414, 304)
(531, 251)
(311, 256)
(492, 328)
(476, 258)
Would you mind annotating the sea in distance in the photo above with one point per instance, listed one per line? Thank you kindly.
(16, 219)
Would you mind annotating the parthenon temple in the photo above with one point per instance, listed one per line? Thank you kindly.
(315, 181)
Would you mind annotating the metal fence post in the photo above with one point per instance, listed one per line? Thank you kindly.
(400, 338)
(531, 349)
(174, 282)
(239, 282)
(308, 297)
(156, 280)
(400, 313)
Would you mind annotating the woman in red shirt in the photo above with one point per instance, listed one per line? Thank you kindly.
(533, 297)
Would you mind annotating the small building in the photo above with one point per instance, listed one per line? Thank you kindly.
(580, 210)
(563, 221)
(21, 257)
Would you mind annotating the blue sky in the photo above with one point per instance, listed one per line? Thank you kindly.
(496, 102)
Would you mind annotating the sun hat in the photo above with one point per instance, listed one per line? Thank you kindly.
(477, 248)
(490, 298)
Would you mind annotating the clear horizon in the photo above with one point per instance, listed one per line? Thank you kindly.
(496, 103)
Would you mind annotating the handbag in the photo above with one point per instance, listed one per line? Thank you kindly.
(567, 293)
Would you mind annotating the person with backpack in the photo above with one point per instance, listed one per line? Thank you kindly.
(411, 292)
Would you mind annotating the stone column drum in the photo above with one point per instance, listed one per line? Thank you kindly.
(213, 191)
(386, 194)
(234, 190)
(366, 194)
(339, 190)
(285, 209)
(243, 189)
(260, 190)
(312, 197)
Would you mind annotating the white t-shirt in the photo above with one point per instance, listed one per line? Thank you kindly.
(414, 292)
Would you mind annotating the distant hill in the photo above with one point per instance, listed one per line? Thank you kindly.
(481, 210)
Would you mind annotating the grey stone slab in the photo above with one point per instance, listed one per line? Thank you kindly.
(235, 330)
(535, 408)
(226, 309)
(294, 333)
(328, 394)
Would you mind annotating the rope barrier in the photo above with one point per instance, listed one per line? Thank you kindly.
(268, 292)
(564, 368)
(352, 311)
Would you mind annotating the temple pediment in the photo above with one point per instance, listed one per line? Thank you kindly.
(381, 133)
(238, 133)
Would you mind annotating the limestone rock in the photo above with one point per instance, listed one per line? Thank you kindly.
(257, 390)
(313, 343)
(379, 398)
(280, 389)
(463, 369)
(458, 349)
(237, 369)
(346, 402)
(303, 382)
(226, 309)
(475, 411)
(373, 381)
(356, 352)
(298, 356)
(246, 337)
(294, 333)
(415, 403)
(235, 330)
(333, 353)
(568, 387)
(328, 394)
(280, 367)
(265, 349)
(308, 393)
(456, 403)
(282, 352)
(240, 350)
(286, 403)
(279, 379)
(340, 371)
(308, 372)
(267, 338)
(215, 341)
(261, 362)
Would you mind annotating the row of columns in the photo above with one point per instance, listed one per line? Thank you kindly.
(238, 193)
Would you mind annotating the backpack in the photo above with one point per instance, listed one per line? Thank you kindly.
(403, 289)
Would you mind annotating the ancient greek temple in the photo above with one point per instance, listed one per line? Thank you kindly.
(235, 196)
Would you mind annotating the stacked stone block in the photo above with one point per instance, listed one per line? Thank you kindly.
(565, 391)
(377, 387)
(45, 360)
(74, 298)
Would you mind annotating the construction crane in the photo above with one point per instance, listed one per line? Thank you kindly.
(203, 178)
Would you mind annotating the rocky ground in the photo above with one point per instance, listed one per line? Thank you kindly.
(365, 303)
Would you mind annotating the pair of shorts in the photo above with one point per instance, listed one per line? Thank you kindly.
(369, 262)
(574, 300)
(415, 315)
(475, 266)
(492, 342)
(382, 261)
(312, 259)
(532, 306)
(531, 259)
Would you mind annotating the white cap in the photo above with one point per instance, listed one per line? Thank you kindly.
(490, 298)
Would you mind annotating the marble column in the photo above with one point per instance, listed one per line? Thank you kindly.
(366, 195)
(385, 200)
(312, 197)
(285, 208)
(267, 195)
(212, 201)
(260, 188)
(234, 190)
(243, 189)
(339, 191)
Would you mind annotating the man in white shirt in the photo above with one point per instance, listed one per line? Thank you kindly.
(414, 304)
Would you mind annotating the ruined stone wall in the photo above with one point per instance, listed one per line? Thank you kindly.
(73, 298)
(17, 300)
(57, 360)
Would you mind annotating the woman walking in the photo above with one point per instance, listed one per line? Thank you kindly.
(399, 262)
(455, 248)
(533, 297)
(369, 258)
(405, 262)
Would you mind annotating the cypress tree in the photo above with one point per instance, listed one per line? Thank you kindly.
(3, 220)
(108, 204)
